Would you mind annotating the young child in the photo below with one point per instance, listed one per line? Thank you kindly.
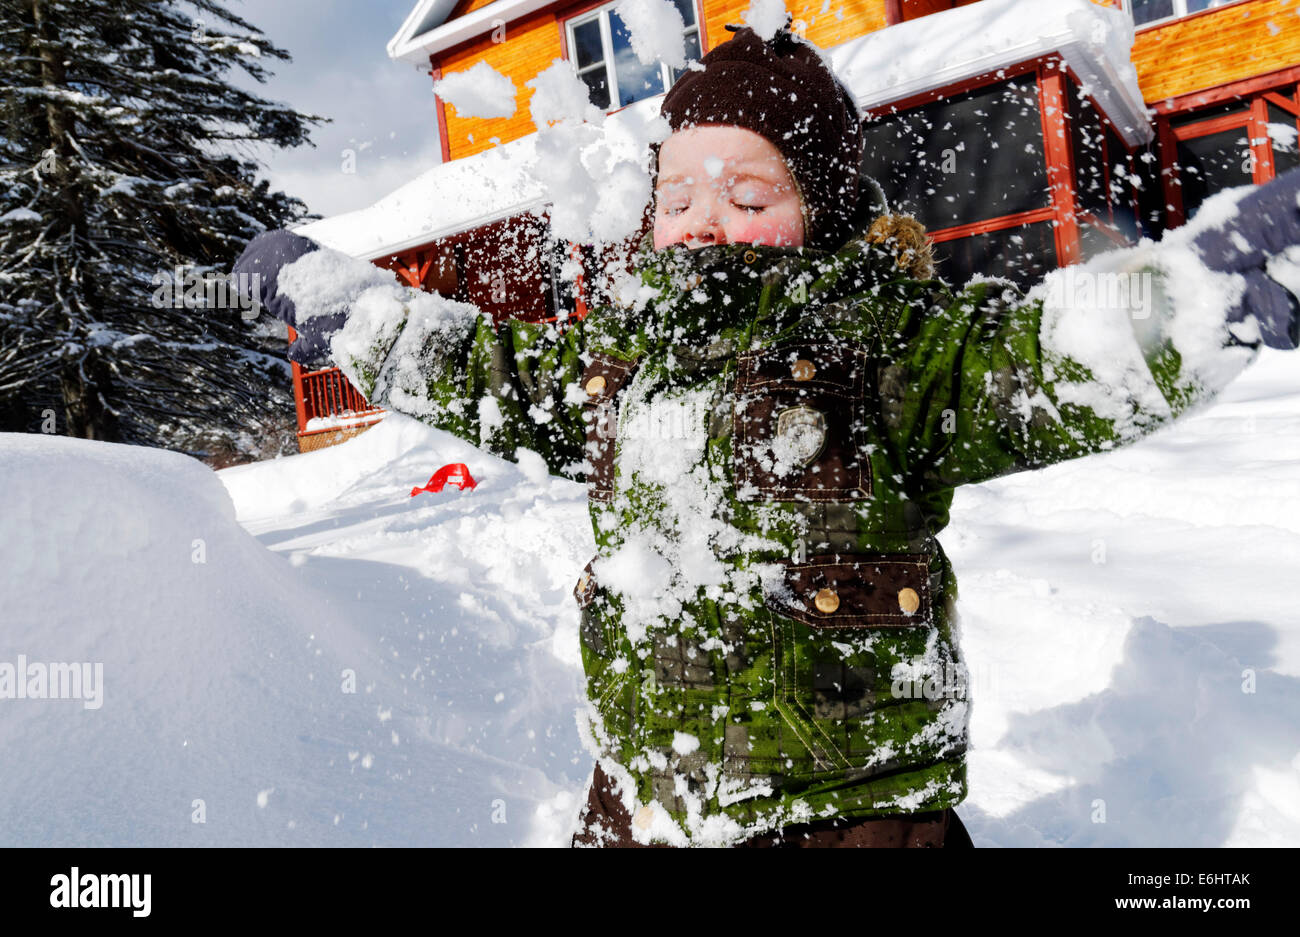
(772, 428)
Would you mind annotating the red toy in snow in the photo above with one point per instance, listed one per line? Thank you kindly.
(456, 473)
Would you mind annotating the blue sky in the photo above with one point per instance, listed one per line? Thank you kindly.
(383, 110)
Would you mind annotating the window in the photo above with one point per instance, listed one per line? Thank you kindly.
(1248, 138)
(1150, 11)
(1023, 255)
(600, 48)
(1104, 187)
(1213, 162)
(971, 157)
(1283, 131)
(971, 166)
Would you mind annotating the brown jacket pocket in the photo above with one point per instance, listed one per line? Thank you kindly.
(590, 630)
(798, 424)
(601, 381)
(859, 590)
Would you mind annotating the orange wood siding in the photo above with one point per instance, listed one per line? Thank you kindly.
(1217, 47)
(530, 46)
(845, 20)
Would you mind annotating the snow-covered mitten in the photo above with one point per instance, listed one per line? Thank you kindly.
(266, 255)
(1265, 224)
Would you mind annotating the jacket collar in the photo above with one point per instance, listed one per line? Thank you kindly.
(706, 300)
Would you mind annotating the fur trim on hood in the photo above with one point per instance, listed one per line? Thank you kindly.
(907, 238)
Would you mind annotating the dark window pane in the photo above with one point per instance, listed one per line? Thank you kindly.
(1124, 187)
(1086, 147)
(1282, 131)
(687, 9)
(635, 81)
(1151, 198)
(1210, 164)
(1195, 6)
(1236, 106)
(1146, 11)
(599, 85)
(1093, 241)
(969, 158)
(1023, 255)
(586, 44)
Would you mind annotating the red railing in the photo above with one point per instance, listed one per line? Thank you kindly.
(327, 393)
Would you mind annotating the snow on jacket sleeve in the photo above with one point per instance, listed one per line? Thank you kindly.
(446, 364)
(988, 380)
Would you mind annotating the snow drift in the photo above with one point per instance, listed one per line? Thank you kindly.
(226, 667)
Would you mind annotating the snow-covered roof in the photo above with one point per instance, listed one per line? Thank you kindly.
(880, 67)
(465, 193)
(448, 198)
(427, 31)
(943, 48)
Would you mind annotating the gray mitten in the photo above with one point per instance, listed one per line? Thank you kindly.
(1266, 223)
(266, 255)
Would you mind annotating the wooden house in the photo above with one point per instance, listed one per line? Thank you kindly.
(1025, 134)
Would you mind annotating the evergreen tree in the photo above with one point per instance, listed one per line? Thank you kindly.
(123, 157)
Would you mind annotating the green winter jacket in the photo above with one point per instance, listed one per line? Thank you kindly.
(771, 438)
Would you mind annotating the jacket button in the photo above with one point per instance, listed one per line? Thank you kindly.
(826, 601)
(596, 385)
(750, 257)
(908, 600)
(803, 370)
(584, 582)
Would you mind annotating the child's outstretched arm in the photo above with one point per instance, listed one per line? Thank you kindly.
(988, 381)
(430, 357)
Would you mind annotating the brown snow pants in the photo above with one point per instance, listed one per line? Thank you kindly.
(605, 822)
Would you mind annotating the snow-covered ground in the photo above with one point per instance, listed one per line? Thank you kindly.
(1132, 622)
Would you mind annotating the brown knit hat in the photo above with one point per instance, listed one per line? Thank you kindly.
(782, 90)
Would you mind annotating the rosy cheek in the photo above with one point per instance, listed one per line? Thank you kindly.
(665, 232)
(758, 230)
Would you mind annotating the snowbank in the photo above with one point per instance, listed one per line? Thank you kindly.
(226, 668)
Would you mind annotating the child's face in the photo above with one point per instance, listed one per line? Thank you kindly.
(725, 185)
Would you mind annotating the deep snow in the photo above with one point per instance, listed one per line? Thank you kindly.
(1112, 610)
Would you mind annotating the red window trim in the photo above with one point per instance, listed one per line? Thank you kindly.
(1000, 223)
(1054, 108)
(1253, 120)
(440, 108)
(1205, 97)
(1203, 128)
(1287, 105)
